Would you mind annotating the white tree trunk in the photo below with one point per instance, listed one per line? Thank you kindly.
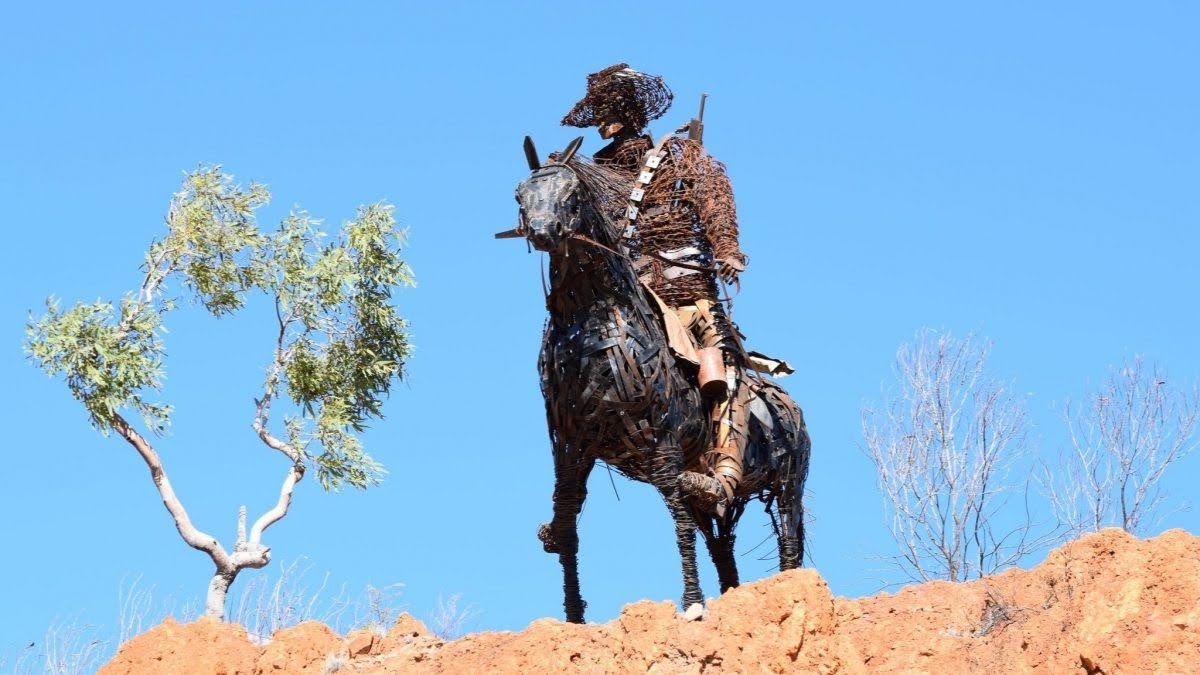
(247, 553)
(218, 588)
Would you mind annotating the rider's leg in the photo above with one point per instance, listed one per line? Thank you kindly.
(725, 459)
(723, 463)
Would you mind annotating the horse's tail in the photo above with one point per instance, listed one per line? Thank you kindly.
(790, 449)
(791, 499)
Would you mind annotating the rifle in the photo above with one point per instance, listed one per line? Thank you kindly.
(695, 128)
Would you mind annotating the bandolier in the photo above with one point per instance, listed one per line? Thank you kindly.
(682, 232)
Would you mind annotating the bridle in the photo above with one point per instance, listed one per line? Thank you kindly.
(563, 161)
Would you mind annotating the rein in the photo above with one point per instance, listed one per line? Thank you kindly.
(586, 239)
(710, 269)
(728, 299)
(673, 263)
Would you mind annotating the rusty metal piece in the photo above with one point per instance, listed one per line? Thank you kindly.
(703, 488)
(686, 218)
(517, 232)
(712, 372)
(546, 536)
(770, 366)
(695, 128)
(726, 466)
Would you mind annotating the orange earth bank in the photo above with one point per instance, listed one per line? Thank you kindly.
(1107, 603)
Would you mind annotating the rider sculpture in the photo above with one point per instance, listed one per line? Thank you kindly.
(681, 229)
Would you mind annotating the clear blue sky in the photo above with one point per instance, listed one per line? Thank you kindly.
(1026, 171)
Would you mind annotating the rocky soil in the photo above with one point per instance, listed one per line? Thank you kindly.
(1107, 603)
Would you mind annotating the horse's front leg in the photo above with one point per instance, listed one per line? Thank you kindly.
(561, 535)
(720, 548)
(667, 483)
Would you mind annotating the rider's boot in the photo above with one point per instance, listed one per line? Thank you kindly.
(715, 490)
(705, 490)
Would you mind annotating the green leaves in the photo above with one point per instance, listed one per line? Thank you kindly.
(342, 460)
(108, 362)
(340, 342)
(343, 342)
(213, 238)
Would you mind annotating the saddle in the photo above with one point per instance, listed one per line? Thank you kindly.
(683, 343)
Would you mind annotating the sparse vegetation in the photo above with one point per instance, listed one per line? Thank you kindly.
(262, 606)
(999, 611)
(449, 619)
(1123, 439)
(943, 444)
(381, 608)
(69, 647)
(334, 663)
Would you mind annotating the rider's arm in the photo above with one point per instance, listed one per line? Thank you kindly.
(715, 207)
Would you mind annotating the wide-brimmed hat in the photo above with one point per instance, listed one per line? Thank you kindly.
(621, 94)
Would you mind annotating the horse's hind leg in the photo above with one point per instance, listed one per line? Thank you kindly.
(561, 535)
(791, 539)
(795, 490)
(790, 524)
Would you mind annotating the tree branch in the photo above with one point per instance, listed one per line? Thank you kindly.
(191, 535)
(294, 474)
(261, 416)
(942, 449)
(262, 411)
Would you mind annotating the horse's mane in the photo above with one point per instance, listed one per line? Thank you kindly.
(606, 193)
(609, 189)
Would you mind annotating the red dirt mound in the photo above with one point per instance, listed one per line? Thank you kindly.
(1107, 603)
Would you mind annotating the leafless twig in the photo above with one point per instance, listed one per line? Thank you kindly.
(1122, 441)
(943, 445)
(448, 618)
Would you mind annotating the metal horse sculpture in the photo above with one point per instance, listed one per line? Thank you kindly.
(614, 391)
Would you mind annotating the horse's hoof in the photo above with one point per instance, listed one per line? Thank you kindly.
(546, 536)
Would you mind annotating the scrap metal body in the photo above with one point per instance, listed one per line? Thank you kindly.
(615, 392)
(684, 212)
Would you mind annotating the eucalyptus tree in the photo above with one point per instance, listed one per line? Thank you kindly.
(336, 347)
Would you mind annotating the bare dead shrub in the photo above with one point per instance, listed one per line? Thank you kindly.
(1123, 438)
(449, 619)
(943, 444)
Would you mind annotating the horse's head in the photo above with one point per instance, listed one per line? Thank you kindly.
(551, 200)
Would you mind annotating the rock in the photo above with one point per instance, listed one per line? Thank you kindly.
(407, 624)
(302, 648)
(205, 646)
(786, 623)
(1107, 603)
(695, 612)
(362, 643)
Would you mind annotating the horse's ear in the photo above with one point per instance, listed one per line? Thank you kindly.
(531, 155)
(570, 151)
